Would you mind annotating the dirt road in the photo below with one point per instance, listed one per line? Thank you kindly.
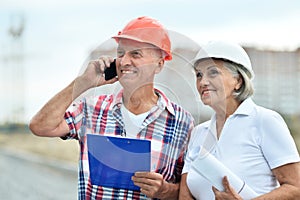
(27, 177)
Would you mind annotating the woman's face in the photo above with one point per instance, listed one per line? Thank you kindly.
(215, 83)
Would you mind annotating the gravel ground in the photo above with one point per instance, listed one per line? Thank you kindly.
(50, 147)
(37, 168)
(31, 177)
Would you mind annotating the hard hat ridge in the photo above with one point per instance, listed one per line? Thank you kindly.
(147, 30)
(227, 51)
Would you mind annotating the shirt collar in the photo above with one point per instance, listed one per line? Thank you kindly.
(162, 103)
(245, 108)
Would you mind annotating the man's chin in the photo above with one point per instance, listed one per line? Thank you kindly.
(127, 81)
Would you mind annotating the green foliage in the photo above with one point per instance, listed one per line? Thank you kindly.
(294, 126)
(14, 128)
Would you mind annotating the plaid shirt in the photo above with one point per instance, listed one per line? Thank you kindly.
(168, 126)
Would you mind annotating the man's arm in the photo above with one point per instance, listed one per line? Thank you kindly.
(49, 121)
(184, 192)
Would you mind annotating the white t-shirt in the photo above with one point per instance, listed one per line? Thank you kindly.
(253, 141)
(132, 122)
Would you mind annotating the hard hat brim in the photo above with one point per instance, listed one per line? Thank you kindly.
(130, 37)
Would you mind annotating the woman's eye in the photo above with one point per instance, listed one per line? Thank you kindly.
(198, 74)
(213, 73)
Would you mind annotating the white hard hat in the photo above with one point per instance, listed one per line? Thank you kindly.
(228, 51)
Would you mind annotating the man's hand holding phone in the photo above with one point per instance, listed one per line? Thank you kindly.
(111, 71)
(98, 72)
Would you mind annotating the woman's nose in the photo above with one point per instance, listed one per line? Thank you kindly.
(204, 81)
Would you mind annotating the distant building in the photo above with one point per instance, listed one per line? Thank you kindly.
(277, 79)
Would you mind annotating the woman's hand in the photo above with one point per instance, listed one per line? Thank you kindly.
(228, 194)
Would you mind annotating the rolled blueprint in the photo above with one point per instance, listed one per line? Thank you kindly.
(213, 170)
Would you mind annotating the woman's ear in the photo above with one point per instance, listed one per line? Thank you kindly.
(239, 83)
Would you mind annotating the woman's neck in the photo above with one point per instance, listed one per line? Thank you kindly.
(223, 112)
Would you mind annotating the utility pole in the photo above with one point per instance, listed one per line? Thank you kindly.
(13, 72)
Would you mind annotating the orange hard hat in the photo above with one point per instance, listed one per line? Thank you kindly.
(148, 30)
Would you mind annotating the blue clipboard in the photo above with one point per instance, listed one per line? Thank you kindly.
(114, 160)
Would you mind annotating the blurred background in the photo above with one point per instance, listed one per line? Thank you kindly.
(44, 45)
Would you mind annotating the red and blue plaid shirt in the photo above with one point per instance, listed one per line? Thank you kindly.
(168, 126)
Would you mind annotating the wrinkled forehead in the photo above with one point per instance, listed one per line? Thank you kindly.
(208, 62)
(130, 45)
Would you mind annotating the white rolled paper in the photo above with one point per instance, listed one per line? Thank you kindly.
(213, 170)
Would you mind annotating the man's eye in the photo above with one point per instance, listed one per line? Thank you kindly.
(135, 53)
(120, 53)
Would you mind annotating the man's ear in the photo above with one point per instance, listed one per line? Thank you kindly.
(160, 65)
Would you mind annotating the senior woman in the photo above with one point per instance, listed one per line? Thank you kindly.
(251, 141)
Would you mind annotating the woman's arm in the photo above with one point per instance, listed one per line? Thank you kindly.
(289, 178)
(287, 175)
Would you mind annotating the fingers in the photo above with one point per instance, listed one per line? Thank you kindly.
(106, 60)
(218, 194)
(146, 178)
(150, 183)
(226, 184)
(146, 185)
(228, 193)
(102, 63)
(145, 174)
(215, 190)
(93, 75)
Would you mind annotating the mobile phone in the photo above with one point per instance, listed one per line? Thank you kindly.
(111, 71)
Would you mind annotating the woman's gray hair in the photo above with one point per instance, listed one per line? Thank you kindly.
(246, 90)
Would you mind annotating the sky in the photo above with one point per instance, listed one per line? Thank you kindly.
(59, 35)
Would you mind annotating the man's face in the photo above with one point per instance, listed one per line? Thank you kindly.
(138, 63)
